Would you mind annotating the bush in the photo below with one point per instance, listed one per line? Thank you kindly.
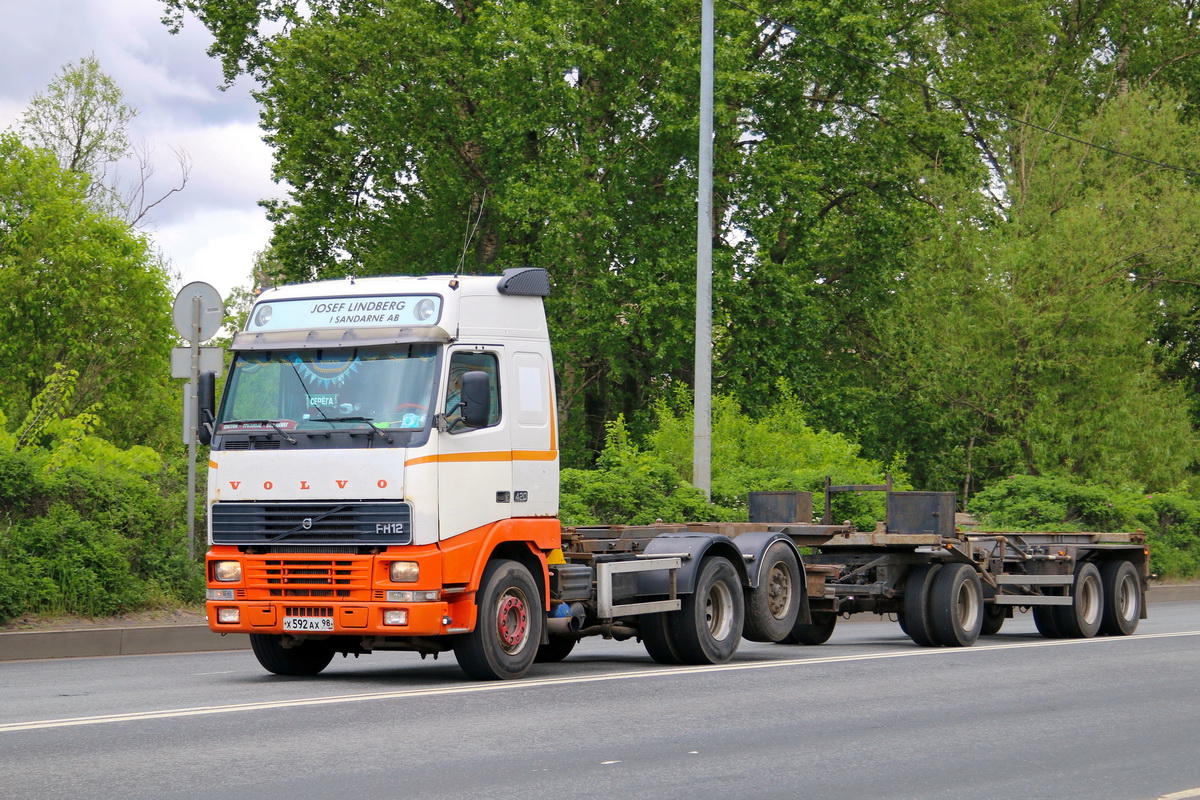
(779, 452)
(1171, 520)
(88, 528)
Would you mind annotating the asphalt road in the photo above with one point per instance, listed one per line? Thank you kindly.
(867, 715)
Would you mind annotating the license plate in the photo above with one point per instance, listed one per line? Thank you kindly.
(321, 624)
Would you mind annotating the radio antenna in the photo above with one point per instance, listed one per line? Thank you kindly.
(470, 234)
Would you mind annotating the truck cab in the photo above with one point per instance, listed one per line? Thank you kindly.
(379, 442)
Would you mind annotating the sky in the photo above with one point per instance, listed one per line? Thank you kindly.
(211, 230)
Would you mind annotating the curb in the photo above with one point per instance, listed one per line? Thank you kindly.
(21, 645)
(190, 638)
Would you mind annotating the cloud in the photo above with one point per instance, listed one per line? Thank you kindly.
(216, 246)
(211, 230)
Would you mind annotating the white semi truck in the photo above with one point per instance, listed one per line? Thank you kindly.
(384, 476)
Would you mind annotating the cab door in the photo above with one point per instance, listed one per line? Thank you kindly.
(475, 463)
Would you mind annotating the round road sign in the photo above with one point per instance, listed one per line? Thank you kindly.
(198, 303)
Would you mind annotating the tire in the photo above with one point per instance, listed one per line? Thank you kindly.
(814, 633)
(772, 608)
(655, 632)
(1081, 619)
(1122, 598)
(503, 645)
(306, 657)
(993, 620)
(916, 604)
(707, 629)
(558, 648)
(956, 606)
(1046, 621)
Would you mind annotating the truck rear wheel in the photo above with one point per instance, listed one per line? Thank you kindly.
(305, 657)
(772, 608)
(508, 627)
(1046, 621)
(1081, 619)
(956, 606)
(916, 604)
(708, 627)
(1122, 598)
(993, 620)
(655, 632)
(814, 633)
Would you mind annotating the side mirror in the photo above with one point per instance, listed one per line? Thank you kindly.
(206, 406)
(476, 398)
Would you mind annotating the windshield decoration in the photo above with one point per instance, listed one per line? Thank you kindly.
(325, 372)
(345, 312)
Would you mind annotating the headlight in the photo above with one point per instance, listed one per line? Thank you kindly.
(227, 571)
(405, 571)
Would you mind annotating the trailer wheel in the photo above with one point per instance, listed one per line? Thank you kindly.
(558, 648)
(993, 620)
(708, 627)
(307, 657)
(956, 606)
(772, 608)
(509, 625)
(916, 604)
(1122, 598)
(1081, 619)
(655, 632)
(814, 633)
(1046, 621)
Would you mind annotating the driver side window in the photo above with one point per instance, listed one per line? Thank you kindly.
(461, 363)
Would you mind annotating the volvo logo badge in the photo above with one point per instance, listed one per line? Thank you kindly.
(306, 523)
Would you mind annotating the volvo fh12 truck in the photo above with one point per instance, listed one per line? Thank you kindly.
(384, 476)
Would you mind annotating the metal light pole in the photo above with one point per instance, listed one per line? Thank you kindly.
(702, 412)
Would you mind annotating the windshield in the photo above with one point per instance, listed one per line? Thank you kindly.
(387, 389)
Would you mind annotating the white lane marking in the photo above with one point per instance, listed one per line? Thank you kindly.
(535, 683)
(1186, 793)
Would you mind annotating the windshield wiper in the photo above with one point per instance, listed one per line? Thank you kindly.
(270, 422)
(368, 420)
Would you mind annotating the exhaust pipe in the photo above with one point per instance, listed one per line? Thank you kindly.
(567, 619)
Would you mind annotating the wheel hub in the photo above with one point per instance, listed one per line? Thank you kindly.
(512, 622)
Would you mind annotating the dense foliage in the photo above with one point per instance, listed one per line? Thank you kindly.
(778, 452)
(1170, 519)
(929, 275)
(87, 527)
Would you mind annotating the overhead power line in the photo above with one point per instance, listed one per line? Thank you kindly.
(950, 95)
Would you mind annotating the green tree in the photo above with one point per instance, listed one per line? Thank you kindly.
(1029, 346)
(83, 119)
(78, 288)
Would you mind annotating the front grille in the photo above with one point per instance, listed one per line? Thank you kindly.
(251, 444)
(328, 523)
(347, 578)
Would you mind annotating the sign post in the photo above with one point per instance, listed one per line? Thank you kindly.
(198, 312)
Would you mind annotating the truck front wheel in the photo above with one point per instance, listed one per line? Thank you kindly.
(708, 627)
(508, 627)
(302, 658)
